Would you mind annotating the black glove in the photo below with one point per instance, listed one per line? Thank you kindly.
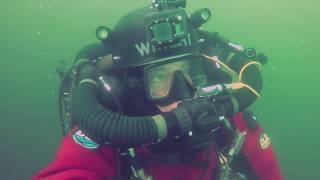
(205, 115)
(199, 116)
(192, 115)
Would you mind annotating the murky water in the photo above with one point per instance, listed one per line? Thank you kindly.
(37, 34)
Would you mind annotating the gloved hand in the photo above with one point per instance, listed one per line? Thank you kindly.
(192, 115)
(205, 115)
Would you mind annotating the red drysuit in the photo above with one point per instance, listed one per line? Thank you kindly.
(74, 162)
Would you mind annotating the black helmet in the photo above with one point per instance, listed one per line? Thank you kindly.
(147, 35)
(149, 38)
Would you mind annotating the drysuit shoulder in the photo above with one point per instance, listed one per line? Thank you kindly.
(92, 51)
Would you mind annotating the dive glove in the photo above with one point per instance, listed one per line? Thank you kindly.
(193, 115)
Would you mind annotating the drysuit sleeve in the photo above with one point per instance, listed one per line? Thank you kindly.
(216, 45)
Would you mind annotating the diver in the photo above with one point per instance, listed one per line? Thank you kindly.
(160, 98)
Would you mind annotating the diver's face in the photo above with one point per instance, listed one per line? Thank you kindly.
(161, 77)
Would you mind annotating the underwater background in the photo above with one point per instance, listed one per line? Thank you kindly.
(35, 35)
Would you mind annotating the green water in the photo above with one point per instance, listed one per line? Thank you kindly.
(37, 34)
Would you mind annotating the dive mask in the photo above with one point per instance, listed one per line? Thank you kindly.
(177, 78)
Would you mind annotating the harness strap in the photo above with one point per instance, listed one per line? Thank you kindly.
(174, 159)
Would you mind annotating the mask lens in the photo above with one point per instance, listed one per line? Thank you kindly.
(159, 78)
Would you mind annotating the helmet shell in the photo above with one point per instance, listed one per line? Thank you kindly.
(131, 47)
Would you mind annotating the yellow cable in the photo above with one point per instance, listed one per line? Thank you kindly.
(245, 66)
(252, 90)
(239, 85)
(219, 62)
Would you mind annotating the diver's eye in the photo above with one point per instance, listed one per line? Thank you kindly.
(158, 78)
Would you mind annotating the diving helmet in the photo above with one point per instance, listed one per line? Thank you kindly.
(160, 44)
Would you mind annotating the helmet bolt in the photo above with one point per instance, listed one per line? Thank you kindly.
(116, 58)
(201, 40)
